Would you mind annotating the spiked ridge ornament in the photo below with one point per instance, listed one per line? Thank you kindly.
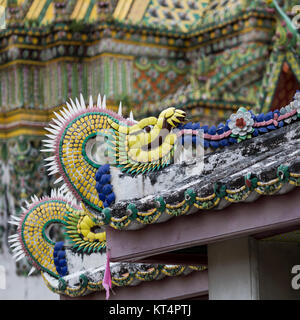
(32, 239)
(82, 138)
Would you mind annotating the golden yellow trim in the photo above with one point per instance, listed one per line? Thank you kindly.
(2, 10)
(175, 206)
(32, 9)
(25, 132)
(49, 16)
(148, 213)
(236, 190)
(24, 116)
(77, 8)
(214, 205)
(294, 183)
(113, 55)
(153, 45)
(230, 35)
(94, 13)
(138, 10)
(87, 44)
(45, 63)
(83, 10)
(206, 198)
(34, 63)
(156, 217)
(121, 8)
(35, 47)
(121, 278)
(113, 219)
(39, 9)
(118, 8)
(187, 208)
(295, 175)
(29, 111)
(125, 10)
(36, 9)
(234, 21)
(258, 190)
(269, 183)
(221, 113)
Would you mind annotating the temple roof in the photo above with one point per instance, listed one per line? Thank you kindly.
(177, 15)
(43, 11)
(182, 16)
(266, 163)
(123, 275)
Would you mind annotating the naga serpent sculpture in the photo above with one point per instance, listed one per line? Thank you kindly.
(86, 143)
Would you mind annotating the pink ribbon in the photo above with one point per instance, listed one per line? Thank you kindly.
(107, 277)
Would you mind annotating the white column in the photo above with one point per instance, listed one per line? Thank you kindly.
(232, 270)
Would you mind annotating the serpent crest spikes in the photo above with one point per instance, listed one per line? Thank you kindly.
(83, 138)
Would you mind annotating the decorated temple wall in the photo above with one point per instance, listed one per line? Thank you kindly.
(155, 78)
(45, 76)
(88, 55)
(22, 175)
(49, 86)
(227, 65)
